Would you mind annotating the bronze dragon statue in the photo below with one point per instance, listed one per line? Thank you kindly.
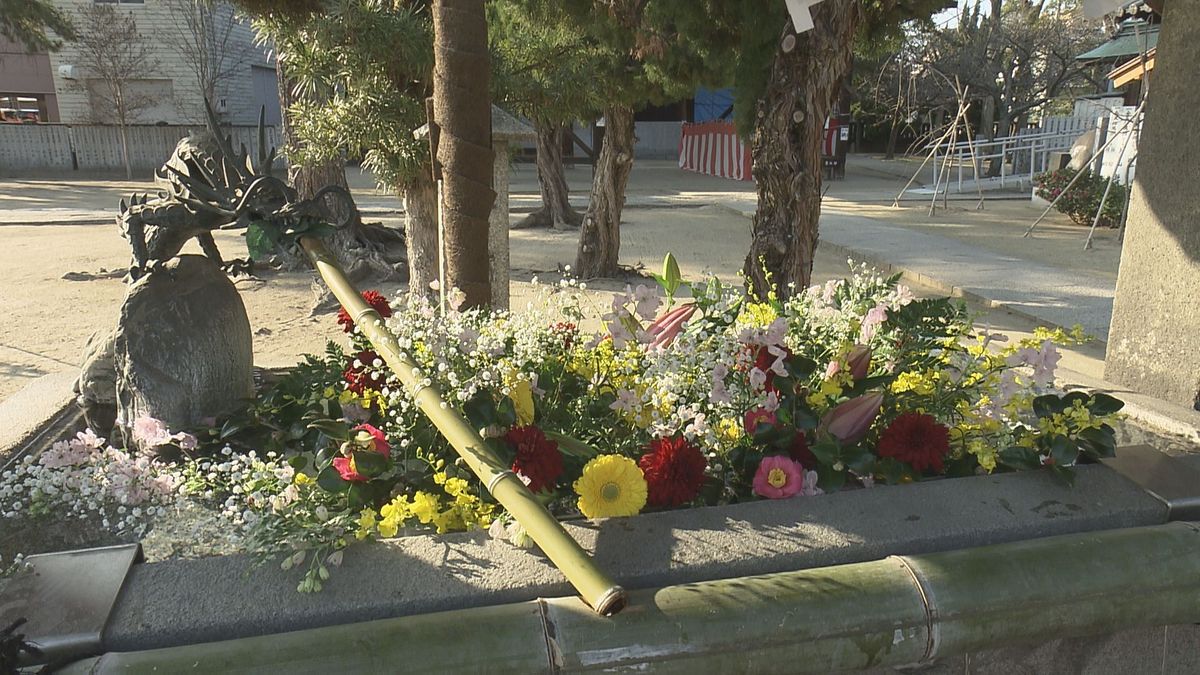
(206, 186)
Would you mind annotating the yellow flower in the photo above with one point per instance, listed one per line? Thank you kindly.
(521, 394)
(729, 431)
(922, 384)
(757, 314)
(425, 507)
(302, 479)
(611, 485)
(366, 523)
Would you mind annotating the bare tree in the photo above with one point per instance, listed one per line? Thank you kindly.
(207, 33)
(116, 56)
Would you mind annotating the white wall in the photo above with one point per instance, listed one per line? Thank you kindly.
(158, 21)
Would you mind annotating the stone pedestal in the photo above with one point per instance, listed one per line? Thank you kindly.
(1154, 339)
(183, 350)
(498, 227)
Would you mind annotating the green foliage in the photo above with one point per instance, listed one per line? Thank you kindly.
(544, 69)
(36, 24)
(1082, 200)
(363, 70)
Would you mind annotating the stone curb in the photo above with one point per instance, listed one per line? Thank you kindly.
(188, 601)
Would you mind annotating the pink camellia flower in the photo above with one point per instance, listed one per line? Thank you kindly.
(859, 360)
(851, 420)
(756, 417)
(363, 437)
(778, 477)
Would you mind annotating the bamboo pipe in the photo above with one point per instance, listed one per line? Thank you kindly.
(903, 610)
(595, 587)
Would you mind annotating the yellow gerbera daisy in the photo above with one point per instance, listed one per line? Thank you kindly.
(611, 485)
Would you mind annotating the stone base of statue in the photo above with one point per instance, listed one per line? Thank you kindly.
(182, 351)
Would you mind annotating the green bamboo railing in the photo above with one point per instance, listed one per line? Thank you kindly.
(594, 586)
(903, 610)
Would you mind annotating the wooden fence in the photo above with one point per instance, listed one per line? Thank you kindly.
(64, 148)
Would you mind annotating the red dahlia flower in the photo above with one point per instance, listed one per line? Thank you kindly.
(800, 451)
(917, 439)
(538, 460)
(674, 471)
(377, 302)
(363, 376)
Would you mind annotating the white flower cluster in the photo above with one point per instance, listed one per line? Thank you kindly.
(245, 486)
(85, 477)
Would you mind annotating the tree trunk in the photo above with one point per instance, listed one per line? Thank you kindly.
(462, 110)
(893, 136)
(362, 250)
(788, 133)
(556, 208)
(600, 234)
(420, 210)
(125, 150)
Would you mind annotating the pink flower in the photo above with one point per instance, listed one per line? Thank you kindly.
(778, 477)
(666, 327)
(851, 420)
(859, 361)
(754, 418)
(871, 322)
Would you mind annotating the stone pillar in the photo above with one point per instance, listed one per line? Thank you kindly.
(1154, 339)
(498, 226)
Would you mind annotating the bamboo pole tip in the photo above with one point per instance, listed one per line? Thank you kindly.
(613, 601)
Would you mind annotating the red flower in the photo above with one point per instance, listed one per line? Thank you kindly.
(538, 460)
(917, 439)
(377, 302)
(753, 418)
(800, 452)
(764, 360)
(567, 331)
(674, 471)
(363, 437)
(363, 376)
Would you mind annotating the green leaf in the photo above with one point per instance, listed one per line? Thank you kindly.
(1045, 406)
(1019, 457)
(370, 463)
(298, 462)
(481, 410)
(330, 481)
(859, 460)
(829, 479)
(1097, 443)
(231, 428)
(826, 452)
(1063, 450)
(569, 445)
(261, 240)
(332, 428)
(1103, 404)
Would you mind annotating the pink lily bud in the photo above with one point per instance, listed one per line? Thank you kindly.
(850, 421)
(666, 327)
(859, 360)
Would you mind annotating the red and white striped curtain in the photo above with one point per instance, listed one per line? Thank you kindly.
(713, 148)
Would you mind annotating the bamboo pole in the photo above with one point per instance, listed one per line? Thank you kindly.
(903, 610)
(596, 588)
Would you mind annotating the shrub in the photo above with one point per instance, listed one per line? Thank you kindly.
(1083, 199)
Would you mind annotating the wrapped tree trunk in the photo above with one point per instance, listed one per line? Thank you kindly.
(789, 130)
(556, 208)
(462, 110)
(600, 234)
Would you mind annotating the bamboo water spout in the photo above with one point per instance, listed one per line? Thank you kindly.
(594, 586)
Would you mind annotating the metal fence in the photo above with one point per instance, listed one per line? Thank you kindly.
(65, 148)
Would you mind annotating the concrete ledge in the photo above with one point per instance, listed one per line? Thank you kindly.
(188, 601)
(43, 407)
